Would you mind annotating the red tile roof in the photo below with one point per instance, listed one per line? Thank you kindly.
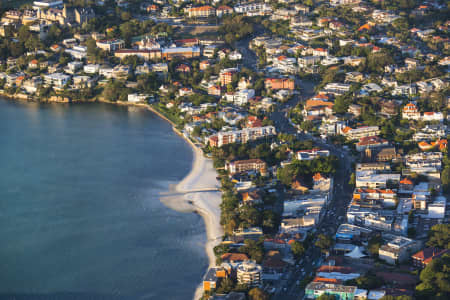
(234, 257)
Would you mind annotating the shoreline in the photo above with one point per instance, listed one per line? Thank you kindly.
(186, 196)
(205, 203)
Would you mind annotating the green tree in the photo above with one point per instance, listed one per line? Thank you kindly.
(226, 286)
(257, 294)
(324, 242)
(298, 250)
(403, 297)
(341, 105)
(254, 249)
(352, 180)
(445, 178)
(435, 280)
(368, 281)
(374, 245)
(439, 236)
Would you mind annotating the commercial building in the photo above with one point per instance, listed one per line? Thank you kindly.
(371, 142)
(341, 292)
(398, 250)
(375, 181)
(350, 232)
(180, 52)
(110, 45)
(144, 54)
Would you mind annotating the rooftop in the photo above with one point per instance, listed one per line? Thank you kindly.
(320, 286)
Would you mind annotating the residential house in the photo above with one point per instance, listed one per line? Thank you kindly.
(315, 108)
(389, 108)
(355, 109)
(138, 97)
(91, 68)
(354, 77)
(336, 88)
(215, 90)
(424, 257)
(57, 80)
(308, 61)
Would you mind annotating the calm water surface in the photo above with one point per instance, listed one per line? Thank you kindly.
(80, 216)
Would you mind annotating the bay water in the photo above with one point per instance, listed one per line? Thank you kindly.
(80, 216)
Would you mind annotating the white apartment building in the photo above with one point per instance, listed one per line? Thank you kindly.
(360, 132)
(240, 97)
(110, 45)
(372, 180)
(398, 250)
(91, 68)
(337, 88)
(240, 136)
(58, 80)
(249, 273)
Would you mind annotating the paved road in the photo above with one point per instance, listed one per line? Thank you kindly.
(279, 116)
(334, 217)
(336, 211)
(250, 60)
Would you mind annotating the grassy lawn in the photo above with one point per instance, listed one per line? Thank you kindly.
(197, 32)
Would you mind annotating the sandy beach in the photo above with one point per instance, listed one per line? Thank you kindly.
(188, 196)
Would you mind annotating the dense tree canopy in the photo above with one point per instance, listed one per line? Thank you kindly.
(324, 165)
(257, 294)
(440, 236)
(435, 280)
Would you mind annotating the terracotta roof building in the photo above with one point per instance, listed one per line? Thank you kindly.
(201, 11)
(422, 258)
